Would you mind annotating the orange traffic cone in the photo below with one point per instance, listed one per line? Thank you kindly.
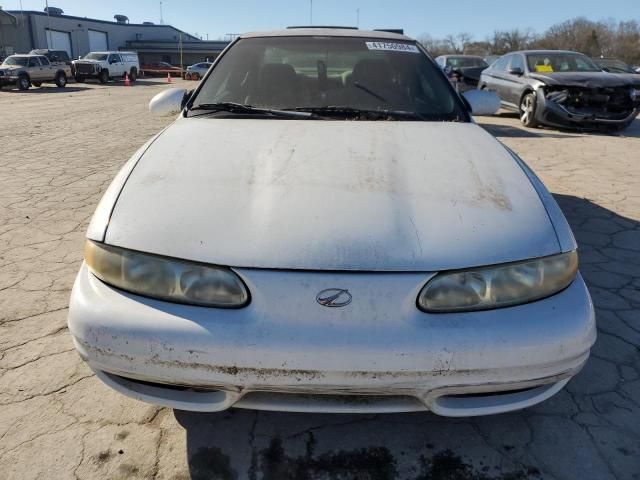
(168, 78)
(127, 82)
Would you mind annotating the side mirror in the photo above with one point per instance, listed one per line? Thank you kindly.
(169, 102)
(516, 71)
(482, 102)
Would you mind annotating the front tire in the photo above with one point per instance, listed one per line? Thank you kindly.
(23, 82)
(61, 80)
(195, 76)
(104, 76)
(528, 109)
(133, 75)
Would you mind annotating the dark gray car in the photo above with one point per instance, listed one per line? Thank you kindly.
(563, 89)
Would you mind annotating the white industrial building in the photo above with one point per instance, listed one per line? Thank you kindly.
(22, 31)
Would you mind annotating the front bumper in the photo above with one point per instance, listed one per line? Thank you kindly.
(8, 80)
(556, 115)
(286, 352)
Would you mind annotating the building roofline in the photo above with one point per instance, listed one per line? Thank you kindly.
(87, 19)
(9, 14)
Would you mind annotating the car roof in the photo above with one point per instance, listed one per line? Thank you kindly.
(544, 52)
(328, 32)
(461, 56)
(115, 51)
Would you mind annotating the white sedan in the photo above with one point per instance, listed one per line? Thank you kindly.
(325, 228)
(197, 71)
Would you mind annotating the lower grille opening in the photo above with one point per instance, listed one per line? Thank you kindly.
(320, 402)
(169, 386)
(491, 394)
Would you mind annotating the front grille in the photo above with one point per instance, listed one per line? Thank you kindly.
(84, 68)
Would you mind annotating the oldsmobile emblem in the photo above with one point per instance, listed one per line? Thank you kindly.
(334, 297)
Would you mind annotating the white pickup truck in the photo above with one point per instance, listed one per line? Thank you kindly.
(106, 65)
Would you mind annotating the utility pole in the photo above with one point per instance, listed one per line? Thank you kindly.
(46, 3)
(181, 62)
(358, 17)
(161, 19)
(310, 12)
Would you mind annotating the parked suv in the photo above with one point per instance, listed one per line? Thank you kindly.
(107, 65)
(27, 70)
(55, 56)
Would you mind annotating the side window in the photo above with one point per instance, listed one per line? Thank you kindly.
(33, 62)
(501, 63)
(44, 61)
(517, 62)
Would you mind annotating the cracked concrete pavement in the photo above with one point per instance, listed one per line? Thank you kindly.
(60, 150)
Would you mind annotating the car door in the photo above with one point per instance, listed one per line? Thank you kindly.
(47, 68)
(34, 68)
(495, 77)
(514, 80)
(116, 68)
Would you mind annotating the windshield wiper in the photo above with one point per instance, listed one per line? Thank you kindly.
(369, 91)
(247, 109)
(361, 113)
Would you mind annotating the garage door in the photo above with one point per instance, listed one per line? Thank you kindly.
(59, 41)
(98, 41)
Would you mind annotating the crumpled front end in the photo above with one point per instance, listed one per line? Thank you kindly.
(588, 107)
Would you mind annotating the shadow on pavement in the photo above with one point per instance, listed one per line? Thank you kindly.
(589, 430)
(43, 89)
(499, 130)
(520, 132)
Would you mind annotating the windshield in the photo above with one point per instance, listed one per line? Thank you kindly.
(313, 73)
(560, 62)
(96, 56)
(464, 62)
(21, 61)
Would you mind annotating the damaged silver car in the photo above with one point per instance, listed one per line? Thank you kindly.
(563, 89)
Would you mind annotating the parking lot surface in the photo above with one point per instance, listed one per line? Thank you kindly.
(61, 148)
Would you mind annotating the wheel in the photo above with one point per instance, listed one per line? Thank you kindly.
(187, 76)
(104, 76)
(528, 110)
(23, 82)
(195, 76)
(61, 80)
(80, 79)
(133, 75)
(36, 84)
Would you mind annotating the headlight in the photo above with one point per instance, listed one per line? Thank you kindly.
(166, 278)
(500, 285)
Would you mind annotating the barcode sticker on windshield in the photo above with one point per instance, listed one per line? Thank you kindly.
(395, 47)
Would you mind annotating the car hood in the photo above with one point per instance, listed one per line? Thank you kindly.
(585, 79)
(331, 195)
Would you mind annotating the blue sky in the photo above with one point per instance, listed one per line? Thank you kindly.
(417, 17)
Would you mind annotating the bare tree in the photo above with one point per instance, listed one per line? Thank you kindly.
(604, 38)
